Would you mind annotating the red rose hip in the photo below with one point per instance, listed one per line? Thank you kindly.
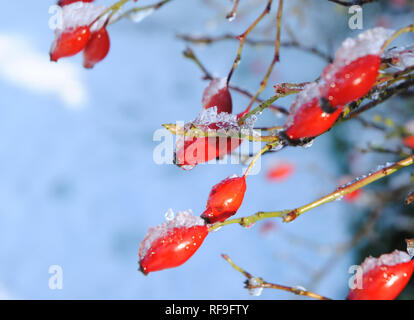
(66, 2)
(97, 48)
(383, 278)
(353, 81)
(171, 244)
(309, 120)
(69, 42)
(217, 94)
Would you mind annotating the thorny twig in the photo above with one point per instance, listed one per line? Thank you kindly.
(257, 283)
(255, 42)
(243, 36)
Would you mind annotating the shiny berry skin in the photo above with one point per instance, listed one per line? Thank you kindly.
(217, 94)
(310, 121)
(173, 249)
(69, 42)
(96, 49)
(353, 81)
(383, 282)
(409, 142)
(225, 199)
(280, 172)
(66, 2)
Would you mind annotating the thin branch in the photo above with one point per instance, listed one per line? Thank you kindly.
(235, 133)
(243, 36)
(256, 42)
(232, 13)
(257, 283)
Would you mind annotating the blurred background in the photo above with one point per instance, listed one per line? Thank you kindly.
(79, 187)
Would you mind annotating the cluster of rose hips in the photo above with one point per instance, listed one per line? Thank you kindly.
(83, 33)
(316, 109)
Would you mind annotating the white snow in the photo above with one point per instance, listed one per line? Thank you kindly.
(82, 14)
(310, 91)
(183, 219)
(402, 57)
(140, 15)
(22, 65)
(213, 88)
(255, 291)
(389, 259)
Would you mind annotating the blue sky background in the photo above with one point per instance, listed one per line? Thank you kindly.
(78, 184)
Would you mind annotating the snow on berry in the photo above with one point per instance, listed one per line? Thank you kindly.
(400, 57)
(191, 151)
(74, 30)
(225, 199)
(172, 243)
(80, 14)
(217, 94)
(367, 43)
(383, 278)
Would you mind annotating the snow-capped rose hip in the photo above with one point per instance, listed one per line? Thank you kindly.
(310, 120)
(225, 199)
(171, 244)
(383, 278)
(69, 42)
(352, 81)
(217, 94)
(97, 48)
(67, 2)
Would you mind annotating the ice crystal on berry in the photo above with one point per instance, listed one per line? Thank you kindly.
(389, 259)
(82, 14)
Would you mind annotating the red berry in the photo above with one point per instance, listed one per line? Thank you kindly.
(409, 142)
(172, 243)
(310, 121)
(384, 278)
(280, 172)
(217, 94)
(351, 82)
(69, 42)
(225, 199)
(97, 48)
(66, 2)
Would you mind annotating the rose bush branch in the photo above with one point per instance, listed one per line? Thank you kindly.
(242, 38)
(275, 59)
(290, 215)
(257, 283)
